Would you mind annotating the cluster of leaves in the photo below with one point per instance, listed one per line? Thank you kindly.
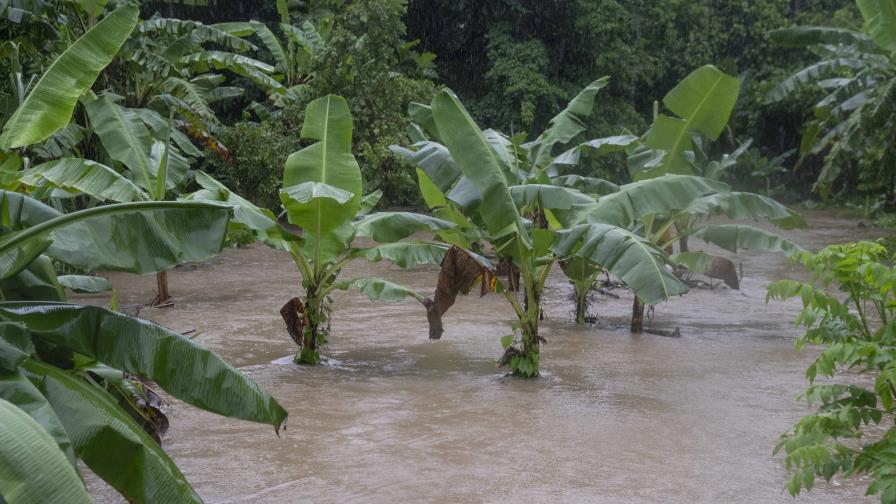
(851, 431)
(853, 124)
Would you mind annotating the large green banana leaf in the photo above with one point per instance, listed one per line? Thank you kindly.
(17, 389)
(49, 106)
(388, 227)
(733, 237)
(635, 261)
(407, 254)
(566, 125)
(85, 177)
(880, 22)
(180, 366)
(142, 237)
(548, 196)
(741, 205)
(108, 440)
(329, 161)
(377, 289)
(703, 101)
(124, 136)
(15, 347)
(32, 468)
(657, 196)
(479, 163)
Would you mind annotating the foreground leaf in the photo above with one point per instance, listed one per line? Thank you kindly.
(109, 441)
(181, 367)
(32, 468)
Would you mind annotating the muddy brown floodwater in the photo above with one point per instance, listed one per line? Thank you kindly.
(394, 417)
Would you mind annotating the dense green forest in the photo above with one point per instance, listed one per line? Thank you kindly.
(515, 62)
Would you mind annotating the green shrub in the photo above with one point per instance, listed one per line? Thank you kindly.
(258, 152)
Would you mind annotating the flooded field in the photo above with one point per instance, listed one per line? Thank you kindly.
(394, 417)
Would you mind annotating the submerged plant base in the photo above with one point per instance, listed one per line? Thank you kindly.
(307, 356)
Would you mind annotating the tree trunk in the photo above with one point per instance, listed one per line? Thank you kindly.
(637, 317)
(581, 303)
(162, 295)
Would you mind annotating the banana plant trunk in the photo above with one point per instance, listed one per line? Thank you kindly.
(581, 291)
(162, 294)
(637, 316)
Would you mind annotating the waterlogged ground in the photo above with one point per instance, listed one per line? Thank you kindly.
(394, 417)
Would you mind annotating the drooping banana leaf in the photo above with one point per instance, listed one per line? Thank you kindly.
(388, 227)
(180, 366)
(330, 162)
(32, 467)
(85, 284)
(703, 102)
(377, 289)
(657, 196)
(407, 254)
(733, 237)
(83, 176)
(18, 211)
(142, 237)
(635, 261)
(548, 196)
(740, 205)
(109, 441)
(49, 106)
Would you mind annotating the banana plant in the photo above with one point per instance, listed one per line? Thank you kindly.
(322, 195)
(450, 195)
(522, 222)
(672, 208)
(60, 363)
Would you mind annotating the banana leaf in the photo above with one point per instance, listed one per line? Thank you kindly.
(49, 106)
(180, 366)
(140, 237)
(85, 177)
(329, 162)
(32, 467)
(109, 441)
(388, 227)
(635, 261)
(733, 237)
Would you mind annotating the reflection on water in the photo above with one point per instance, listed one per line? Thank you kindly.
(394, 417)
